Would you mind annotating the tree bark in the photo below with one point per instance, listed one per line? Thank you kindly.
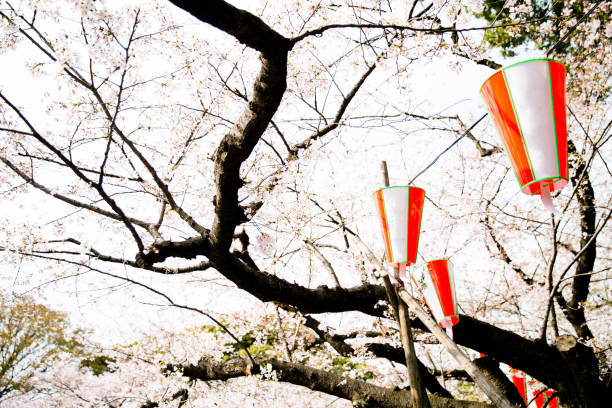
(574, 309)
(583, 372)
(359, 392)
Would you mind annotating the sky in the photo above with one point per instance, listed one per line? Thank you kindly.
(120, 314)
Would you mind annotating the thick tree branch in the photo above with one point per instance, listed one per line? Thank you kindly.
(495, 394)
(269, 288)
(518, 352)
(361, 393)
(187, 249)
(242, 25)
(238, 144)
(583, 372)
(491, 370)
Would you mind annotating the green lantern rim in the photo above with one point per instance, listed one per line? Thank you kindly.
(399, 186)
(553, 179)
(518, 63)
(552, 105)
(446, 317)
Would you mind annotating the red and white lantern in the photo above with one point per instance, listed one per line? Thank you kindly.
(520, 382)
(436, 282)
(399, 211)
(537, 392)
(540, 396)
(553, 403)
(526, 101)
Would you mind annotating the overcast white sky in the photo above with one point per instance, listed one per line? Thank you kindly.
(120, 312)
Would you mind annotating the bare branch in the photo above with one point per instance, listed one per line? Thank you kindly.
(336, 122)
(328, 266)
(439, 30)
(69, 200)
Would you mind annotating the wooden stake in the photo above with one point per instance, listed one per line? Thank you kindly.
(400, 300)
(400, 310)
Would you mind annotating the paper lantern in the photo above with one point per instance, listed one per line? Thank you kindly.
(436, 282)
(399, 210)
(537, 391)
(547, 395)
(526, 101)
(520, 382)
(540, 396)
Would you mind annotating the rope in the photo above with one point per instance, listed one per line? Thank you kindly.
(448, 148)
(573, 28)
(565, 37)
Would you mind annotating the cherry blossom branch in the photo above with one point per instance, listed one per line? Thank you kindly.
(440, 30)
(84, 169)
(112, 118)
(69, 200)
(338, 342)
(336, 121)
(480, 61)
(585, 197)
(158, 181)
(504, 254)
(550, 267)
(483, 151)
(500, 248)
(583, 250)
(172, 303)
(328, 266)
(98, 187)
(74, 74)
(306, 143)
(155, 291)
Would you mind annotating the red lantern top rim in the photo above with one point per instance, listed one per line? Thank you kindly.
(518, 63)
(384, 188)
